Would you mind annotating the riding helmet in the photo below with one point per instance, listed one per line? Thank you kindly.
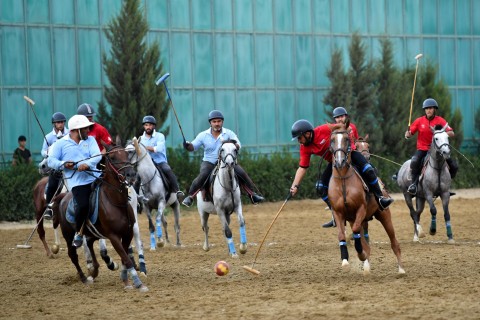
(339, 111)
(58, 117)
(430, 103)
(79, 121)
(149, 119)
(300, 127)
(215, 114)
(85, 110)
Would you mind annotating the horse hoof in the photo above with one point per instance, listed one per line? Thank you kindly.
(93, 272)
(432, 232)
(160, 243)
(366, 267)
(421, 233)
(128, 287)
(234, 255)
(243, 248)
(345, 263)
(206, 248)
(89, 280)
(401, 271)
(55, 248)
(153, 249)
(415, 238)
(144, 274)
(143, 288)
(115, 266)
(451, 241)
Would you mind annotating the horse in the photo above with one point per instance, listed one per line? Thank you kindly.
(115, 217)
(155, 194)
(350, 202)
(40, 205)
(225, 199)
(433, 182)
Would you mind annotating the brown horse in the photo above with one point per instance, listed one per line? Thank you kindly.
(40, 205)
(115, 217)
(350, 202)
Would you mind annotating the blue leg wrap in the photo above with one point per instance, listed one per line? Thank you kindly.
(153, 242)
(243, 234)
(123, 273)
(358, 242)
(159, 230)
(343, 250)
(449, 230)
(136, 279)
(231, 246)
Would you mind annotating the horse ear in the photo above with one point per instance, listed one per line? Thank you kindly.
(135, 144)
(365, 138)
(118, 141)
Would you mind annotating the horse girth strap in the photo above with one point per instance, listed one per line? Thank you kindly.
(344, 185)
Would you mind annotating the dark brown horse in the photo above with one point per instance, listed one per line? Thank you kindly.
(40, 205)
(115, 217)
(350, 202)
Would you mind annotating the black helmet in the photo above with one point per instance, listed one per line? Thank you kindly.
(85, 110)
(149, 119)
(430, 103)
(58, 117)
(339, 111)
(215, 114)
(300, 127)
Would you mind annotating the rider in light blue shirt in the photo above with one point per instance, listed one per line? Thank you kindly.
(59, 131)
(211, 140)
(154, 142)
(77, 155)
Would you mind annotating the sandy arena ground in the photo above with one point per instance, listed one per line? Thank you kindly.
(301, 275)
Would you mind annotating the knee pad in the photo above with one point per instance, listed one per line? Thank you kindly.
(322, 190)
(368, 174)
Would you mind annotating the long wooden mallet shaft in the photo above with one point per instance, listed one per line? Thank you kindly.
(160, 81)
(417, 57)
(251, 269)
(31, 103)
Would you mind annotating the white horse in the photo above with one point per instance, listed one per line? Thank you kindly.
(155, 195)
(226, 199)
(435, 181)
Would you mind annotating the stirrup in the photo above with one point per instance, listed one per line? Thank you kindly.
(77, 240)
(386, 205)
(188, 201)
(48, 214)
(412, 189)
(329, 224)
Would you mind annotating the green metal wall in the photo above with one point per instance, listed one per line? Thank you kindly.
(261, 62)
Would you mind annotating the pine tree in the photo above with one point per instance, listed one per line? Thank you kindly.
(340, 90)
(131, 68)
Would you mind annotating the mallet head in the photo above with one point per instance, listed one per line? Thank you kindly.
(162, 79)
(418, 56)
(29, 100)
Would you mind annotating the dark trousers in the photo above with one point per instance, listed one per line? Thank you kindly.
(416, 163)
(81, 194)
(52, 186)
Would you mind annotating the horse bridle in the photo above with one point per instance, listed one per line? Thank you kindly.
(135, 163)
(438, 149)
(113, 165)
(346, 152)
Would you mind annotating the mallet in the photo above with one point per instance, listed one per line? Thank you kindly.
(32, 103)
(162, 80)
(417, 57)
(26, 245)
(251, 269)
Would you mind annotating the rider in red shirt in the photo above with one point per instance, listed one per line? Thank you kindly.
(99, 132)
(317, 141)
(423, 126)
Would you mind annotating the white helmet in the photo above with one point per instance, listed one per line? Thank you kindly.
(78, 122)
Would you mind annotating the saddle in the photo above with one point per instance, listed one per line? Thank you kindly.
(207, 189)
(166, 183)
(72, 208)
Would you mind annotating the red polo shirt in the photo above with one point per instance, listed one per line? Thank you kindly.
(319, 146)
(100, 133)
(424, 128)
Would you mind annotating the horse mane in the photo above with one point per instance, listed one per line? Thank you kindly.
(336, 126)
(438, 127)
(229, 141)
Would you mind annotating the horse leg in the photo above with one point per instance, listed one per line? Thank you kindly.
(121, 246)
(161, 221)
(446, 214)
(151, 227)
(41, 235)
(56, 245)
(225, 221)
(385, 219)
(72, 254)
(365, 231)
(357, 234)
(111, 265)
(419, 233)
(176, 215)
(340, 220)
(95, 265)
(243, 232)
(139, 246)
(204, 221)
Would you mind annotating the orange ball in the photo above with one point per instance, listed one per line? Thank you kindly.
(221, 268)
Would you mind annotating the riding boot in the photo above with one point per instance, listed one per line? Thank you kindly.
(382, 201)
(452, 167)
(412, 189)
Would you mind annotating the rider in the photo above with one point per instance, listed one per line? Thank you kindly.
(211, 141)
(99, 132)
(78, 154)
(155, 144)
(423, 126)
(59, 130)
(317, 141)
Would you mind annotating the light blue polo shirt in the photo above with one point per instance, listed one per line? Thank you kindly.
(212, 145)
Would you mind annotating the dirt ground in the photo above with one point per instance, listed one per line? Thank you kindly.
(301, 275)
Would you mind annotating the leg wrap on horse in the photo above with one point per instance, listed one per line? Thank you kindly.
(453, 167)
(343, 250)
(357, 237)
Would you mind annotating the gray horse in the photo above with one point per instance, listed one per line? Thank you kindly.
(434, 182)
(155, 195)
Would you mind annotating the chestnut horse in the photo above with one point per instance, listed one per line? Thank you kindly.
(40, 205)
(115, 217)
(351, 202)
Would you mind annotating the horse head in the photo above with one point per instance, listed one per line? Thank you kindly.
(363, 147)
(340, 148)
(118, 163)
(440, 143)
(227, 155)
